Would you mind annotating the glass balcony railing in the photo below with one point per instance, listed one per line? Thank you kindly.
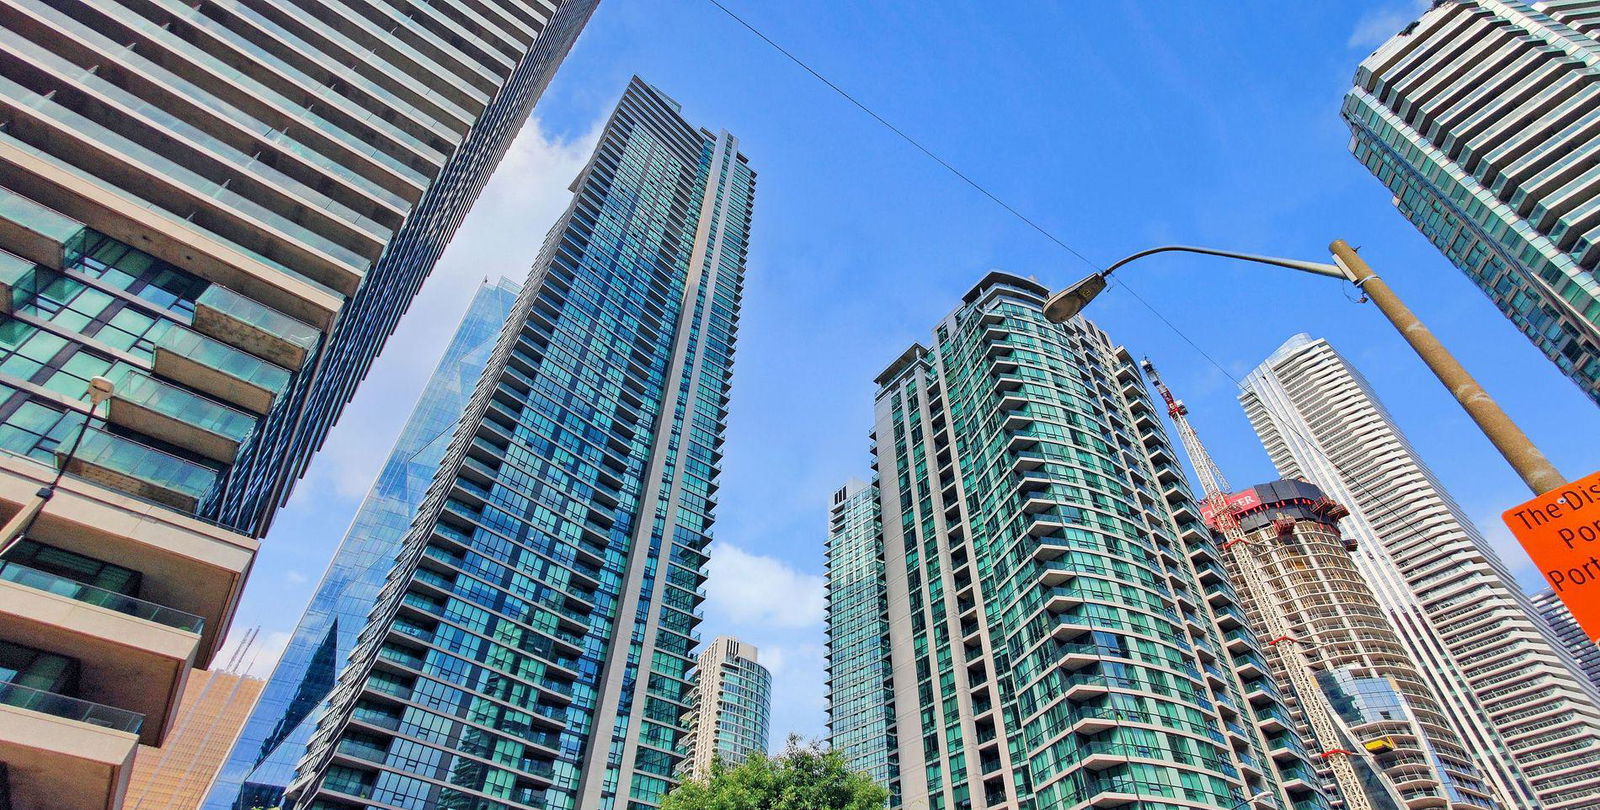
(259, 317)
(172, 401)
(146, 464)
(224, 358)
(100, 597)
(45, 226)
(70, 708)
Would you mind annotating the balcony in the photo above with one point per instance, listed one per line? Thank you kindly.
(149, 406)
(187, 566)
(64, 753)
(246, 324)
(218, 369)
(129, 660)
(144, 472)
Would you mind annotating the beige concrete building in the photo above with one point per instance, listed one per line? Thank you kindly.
(176, 775)
(730, 709)
(211, 218)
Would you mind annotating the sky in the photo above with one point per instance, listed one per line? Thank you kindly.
(1114, 126)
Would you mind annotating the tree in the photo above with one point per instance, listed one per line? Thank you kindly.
(803, 777)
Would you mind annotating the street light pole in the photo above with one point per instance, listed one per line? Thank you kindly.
(100, 390)
(1535, 469)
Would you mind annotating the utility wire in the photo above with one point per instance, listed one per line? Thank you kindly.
(1313, 443)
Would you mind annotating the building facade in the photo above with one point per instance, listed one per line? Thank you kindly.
(1505, 685)
(532, 646)
(176, 775)
(1584, 651)
(274, 739)
(861, 713)
(1381, 704)
(1481, 118)
(730, 715)
(1062, 634)
(216, 214)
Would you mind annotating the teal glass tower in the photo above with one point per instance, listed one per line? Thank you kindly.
(861, 713)
(1062, 633)
(1481, 118)
(532, 646)
(274, 736)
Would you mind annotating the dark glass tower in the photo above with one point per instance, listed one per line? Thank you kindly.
(220, 210)
(532, 646)
(274, 737)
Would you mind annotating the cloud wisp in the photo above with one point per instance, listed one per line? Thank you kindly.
(752, 590)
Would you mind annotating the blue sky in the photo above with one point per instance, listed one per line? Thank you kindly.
(1116, 126)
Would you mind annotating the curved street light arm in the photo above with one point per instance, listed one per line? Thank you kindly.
(1315, 268)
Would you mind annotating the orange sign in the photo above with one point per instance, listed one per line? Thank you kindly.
(1561, 532)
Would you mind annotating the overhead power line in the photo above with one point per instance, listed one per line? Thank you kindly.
(1009, 208)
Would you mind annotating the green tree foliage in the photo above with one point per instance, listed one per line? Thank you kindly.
(804, 777)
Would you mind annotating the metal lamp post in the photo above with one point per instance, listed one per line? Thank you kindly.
(100, 390)
(1535, 469)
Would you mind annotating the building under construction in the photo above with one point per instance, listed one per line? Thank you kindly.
(1379, 737)
(1385, 713)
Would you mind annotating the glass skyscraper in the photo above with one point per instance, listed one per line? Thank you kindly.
(274, 737)
(532, 646)
(1482, 118)
(221, 210)
(731, 708)
(861, 714)
(1062, 633)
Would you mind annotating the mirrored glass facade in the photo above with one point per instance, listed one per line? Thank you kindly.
(532, 647)
(274, 737)
(1483, 120)
(1062, 633)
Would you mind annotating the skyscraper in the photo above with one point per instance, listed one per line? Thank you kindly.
(1385, 711)
(861, 713)
(730, 714)
(274, 738)
(1061, 632)
(1482, 120)
(176, 775)
(1504, 683)
(532, 644)
(220, 211)
(1572, 637)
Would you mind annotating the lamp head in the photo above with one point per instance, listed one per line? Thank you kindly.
(100, 390)
(1070, 301)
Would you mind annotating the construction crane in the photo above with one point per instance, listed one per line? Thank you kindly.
(1222, 515)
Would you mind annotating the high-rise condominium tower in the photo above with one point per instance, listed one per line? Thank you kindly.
(730, 708)
(861, 714)
(1482, 118)
(1384, 709)
(1572, 637)
(221, 209)
(1062, 634)
(1505, 685)
(176, 775)
(274, 738)
(531, 647)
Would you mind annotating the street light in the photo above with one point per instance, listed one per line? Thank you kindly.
(100, 390)
(1536, 471)
(1258, 797)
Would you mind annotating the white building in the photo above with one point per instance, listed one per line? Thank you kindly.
(1508, 686)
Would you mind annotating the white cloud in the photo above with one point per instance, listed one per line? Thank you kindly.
(754, 590)
(798, 672)
(256, 661)
(1375, 26)
(296, 577)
